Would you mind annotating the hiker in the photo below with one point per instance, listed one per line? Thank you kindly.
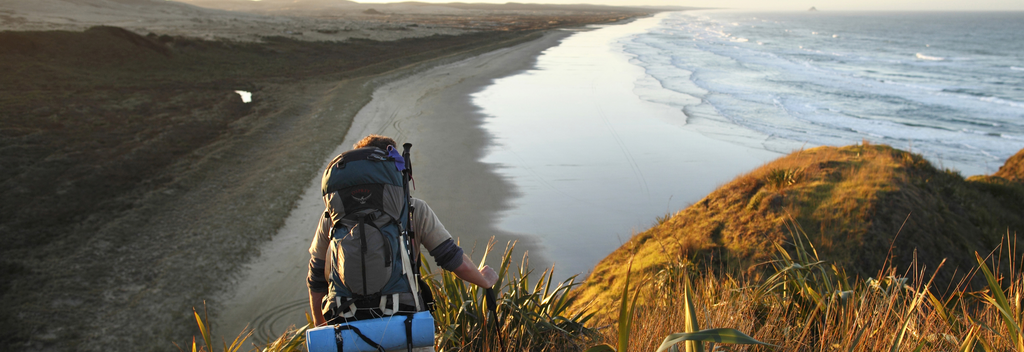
(427, 229)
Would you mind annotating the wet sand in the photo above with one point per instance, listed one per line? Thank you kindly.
(431, 110)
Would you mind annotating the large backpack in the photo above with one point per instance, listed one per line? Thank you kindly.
(368, 266)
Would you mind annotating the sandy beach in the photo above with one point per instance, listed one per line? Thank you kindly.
(432, 111)
(185, 183)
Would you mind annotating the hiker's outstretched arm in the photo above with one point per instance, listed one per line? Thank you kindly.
(485, 277)
(314, 306)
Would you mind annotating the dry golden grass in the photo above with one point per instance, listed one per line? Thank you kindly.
(1013, 170)
(810, 306)
(863, 206)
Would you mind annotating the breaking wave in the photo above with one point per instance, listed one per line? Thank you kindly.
(929, 58)
(815, 89)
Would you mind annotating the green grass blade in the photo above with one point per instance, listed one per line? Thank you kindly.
(601, 348)
(985, 346)
(550, 278)
(1000, 303)
(721, 335)
(632, 308)
(625, 313)
(236, 345)
(968, 344)
(297, 340)
(204, 329)
(986, 327)
(906, 323)
(940, 308)
(690, 325)
(856, 340)
(919, 297)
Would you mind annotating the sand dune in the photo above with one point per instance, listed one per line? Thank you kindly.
(334, 23)
(312, 20)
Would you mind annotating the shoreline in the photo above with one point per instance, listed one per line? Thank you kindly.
(596, 161)
(417, 105)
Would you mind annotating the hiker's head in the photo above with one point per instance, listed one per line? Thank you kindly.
(375, 140)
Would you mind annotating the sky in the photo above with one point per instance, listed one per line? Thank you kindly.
(790, 5)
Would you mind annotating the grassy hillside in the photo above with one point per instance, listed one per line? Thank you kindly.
(861, 206)
(1013, 170)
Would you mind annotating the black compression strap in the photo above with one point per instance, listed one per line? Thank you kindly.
(362, 254)
(408, 332)
(339, 328)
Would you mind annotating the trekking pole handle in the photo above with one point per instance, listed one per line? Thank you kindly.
(492, 304)
(408, 165)
(405, 154)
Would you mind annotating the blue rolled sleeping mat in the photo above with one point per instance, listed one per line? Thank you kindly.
(389, 333)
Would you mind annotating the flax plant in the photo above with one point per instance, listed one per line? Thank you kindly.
(293, 340)
(207, 336)
(532, 315)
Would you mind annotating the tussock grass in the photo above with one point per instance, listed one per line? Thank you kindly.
(851, 201)
(808, 304)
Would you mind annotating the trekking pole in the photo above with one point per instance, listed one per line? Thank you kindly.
(406, 180)
(492, 305)
(412, 253)
(406, 185)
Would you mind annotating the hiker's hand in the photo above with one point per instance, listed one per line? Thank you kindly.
(489, 275)
(484, 277)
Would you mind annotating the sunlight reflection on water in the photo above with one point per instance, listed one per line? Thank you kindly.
(592, 163)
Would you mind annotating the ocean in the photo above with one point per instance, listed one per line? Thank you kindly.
(947, 85)
(623, 123)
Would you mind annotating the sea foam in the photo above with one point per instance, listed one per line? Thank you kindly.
(805, 87)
